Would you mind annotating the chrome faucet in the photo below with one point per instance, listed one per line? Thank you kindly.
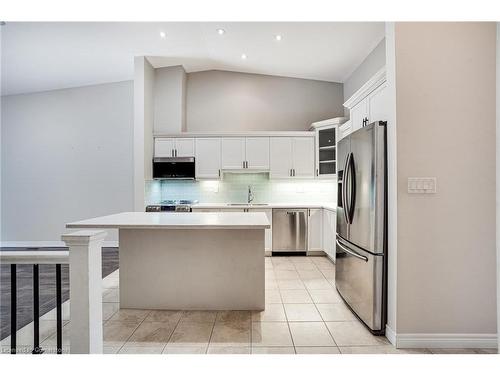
(250, 194)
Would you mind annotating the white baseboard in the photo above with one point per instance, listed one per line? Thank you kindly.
(47, 244)
(442, 341)
(390, 334)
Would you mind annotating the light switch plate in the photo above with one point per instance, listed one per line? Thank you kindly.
(422, 185)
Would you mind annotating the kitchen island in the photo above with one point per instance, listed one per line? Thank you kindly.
(189, 261)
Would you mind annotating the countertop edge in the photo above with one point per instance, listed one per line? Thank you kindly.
(165, 226)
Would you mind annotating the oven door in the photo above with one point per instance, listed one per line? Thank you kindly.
(359, 278)
(173, 168)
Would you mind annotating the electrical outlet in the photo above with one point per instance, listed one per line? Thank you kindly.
(422, 185)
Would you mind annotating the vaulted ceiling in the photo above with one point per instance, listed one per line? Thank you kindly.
(51, 55)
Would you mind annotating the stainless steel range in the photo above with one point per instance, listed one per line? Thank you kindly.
(181, 205)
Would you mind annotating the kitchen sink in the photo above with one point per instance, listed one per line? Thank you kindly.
(248, 204)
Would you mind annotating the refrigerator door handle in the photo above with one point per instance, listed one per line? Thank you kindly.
(345, 186)
(352, 179)
(356, 255)
(344, 189)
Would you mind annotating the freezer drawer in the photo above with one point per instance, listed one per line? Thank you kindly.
(359, 277)
(289, 230)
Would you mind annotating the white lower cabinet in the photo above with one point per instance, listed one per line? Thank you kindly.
(329, 231)
(315, 230)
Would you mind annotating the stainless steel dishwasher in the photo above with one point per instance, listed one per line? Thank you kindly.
(289, 230)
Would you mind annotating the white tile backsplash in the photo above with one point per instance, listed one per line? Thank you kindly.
(233, 189)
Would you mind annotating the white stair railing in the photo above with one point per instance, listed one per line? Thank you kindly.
(84, 259)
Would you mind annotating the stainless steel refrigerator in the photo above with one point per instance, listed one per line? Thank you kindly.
(361, 240)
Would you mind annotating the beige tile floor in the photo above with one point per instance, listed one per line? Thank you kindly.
(304, 315)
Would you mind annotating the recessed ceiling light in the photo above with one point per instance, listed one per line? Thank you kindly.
(221, 31)
(278, 37)
(163, 35)
(243, 56)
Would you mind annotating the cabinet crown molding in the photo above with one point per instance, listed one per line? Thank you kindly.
(224, 134)
(376, 80)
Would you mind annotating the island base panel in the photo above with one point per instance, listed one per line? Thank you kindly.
(197, 269)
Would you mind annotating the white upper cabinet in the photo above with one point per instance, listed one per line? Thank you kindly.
(164, 147)
(281, 157)
(245, 153)
(315, 230)
(184, 147)
(378, 104)
(174, 147)
(369, 103)
(303, 157)
(344, 130)
(359, 115)
(292, 157)
(257, 153)
(208, 157)
(233, 153)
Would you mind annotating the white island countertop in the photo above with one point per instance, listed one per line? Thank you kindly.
(177, 220)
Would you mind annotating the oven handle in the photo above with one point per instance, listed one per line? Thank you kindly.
(350, 251)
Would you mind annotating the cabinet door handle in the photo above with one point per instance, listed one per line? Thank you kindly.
(290, 173)
(293, 172)
(317, 172)
(219, 173)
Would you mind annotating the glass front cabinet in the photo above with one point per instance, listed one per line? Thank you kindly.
(326, 147)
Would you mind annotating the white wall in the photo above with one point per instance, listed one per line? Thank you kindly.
(446, 128)
(143, 127)
(498, 183)
(169, 100)
(66, 155)
(370, 65)
(0, 139)
(392, 186)
(229, 101)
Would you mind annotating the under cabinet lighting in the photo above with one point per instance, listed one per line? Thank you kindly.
(221, 31)
(278, 37)
(243, 56)
(163, 35)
